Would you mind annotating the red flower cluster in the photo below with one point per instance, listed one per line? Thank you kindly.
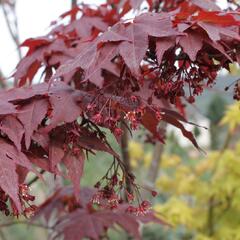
(28, 209)
(142, 209)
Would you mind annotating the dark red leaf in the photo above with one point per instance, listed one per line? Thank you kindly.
(74, 165)
(31, 115)
(11, 126)
(162, 45)
(64, 104)
(134, 52)
(191, 44)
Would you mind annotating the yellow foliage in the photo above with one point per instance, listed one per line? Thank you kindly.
(136, 150)
(176, 211)
(165, 183)
(227, 233)
(138, 156)
(207, 164)
(147, 158)
(232, 116)
(170, 161)
(203, 237)
(186, 185)
(234, 69)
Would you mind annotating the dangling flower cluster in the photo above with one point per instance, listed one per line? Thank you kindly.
(115, 192)
(134, 117)
(236, 90)
(72, 140)
(169, 90)
(181, 77)
(107, 196)
(28, 209)
(141, 210)
(3, 202)
(25, 199)
(105, 116)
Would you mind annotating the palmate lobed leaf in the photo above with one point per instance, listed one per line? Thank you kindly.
(161, 26)
(87, 222)
(82, 223)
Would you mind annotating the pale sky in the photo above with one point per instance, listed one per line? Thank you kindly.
(34, 17)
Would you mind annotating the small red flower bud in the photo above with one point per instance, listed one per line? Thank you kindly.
(97, 185)
(118, 132)
(97, 118)
(191, 99)
(154, 193)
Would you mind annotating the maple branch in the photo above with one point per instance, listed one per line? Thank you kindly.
(9, 224)
(125, 154)
(210, 218)
(2, 80)
(12, 27)
(156, 161)
(74, 3)
(2, 235)
(31, 182)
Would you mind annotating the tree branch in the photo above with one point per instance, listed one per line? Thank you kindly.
(125, 153)
(74, 3)
(31, 182)
(156, 161)
(9, 224)
(2, 80)
(210, 221)
(12, 25)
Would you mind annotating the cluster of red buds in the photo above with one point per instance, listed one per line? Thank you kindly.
(236, 90)
(107, 196)
(105, 117)
(115, 193)
(28, 209)
(3, 202)
(134, 117)
(141, 210)
(72, 140)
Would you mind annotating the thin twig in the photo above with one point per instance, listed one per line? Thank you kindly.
(2, 235)
(9, 224)
(35, 179)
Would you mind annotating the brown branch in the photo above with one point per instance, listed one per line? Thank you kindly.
(31, 182)
(2, 80)
(74, 3)
(125, 154)
(9, 224)
(2, 235)
(156, 161)
(210, 221)
(12, 26)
